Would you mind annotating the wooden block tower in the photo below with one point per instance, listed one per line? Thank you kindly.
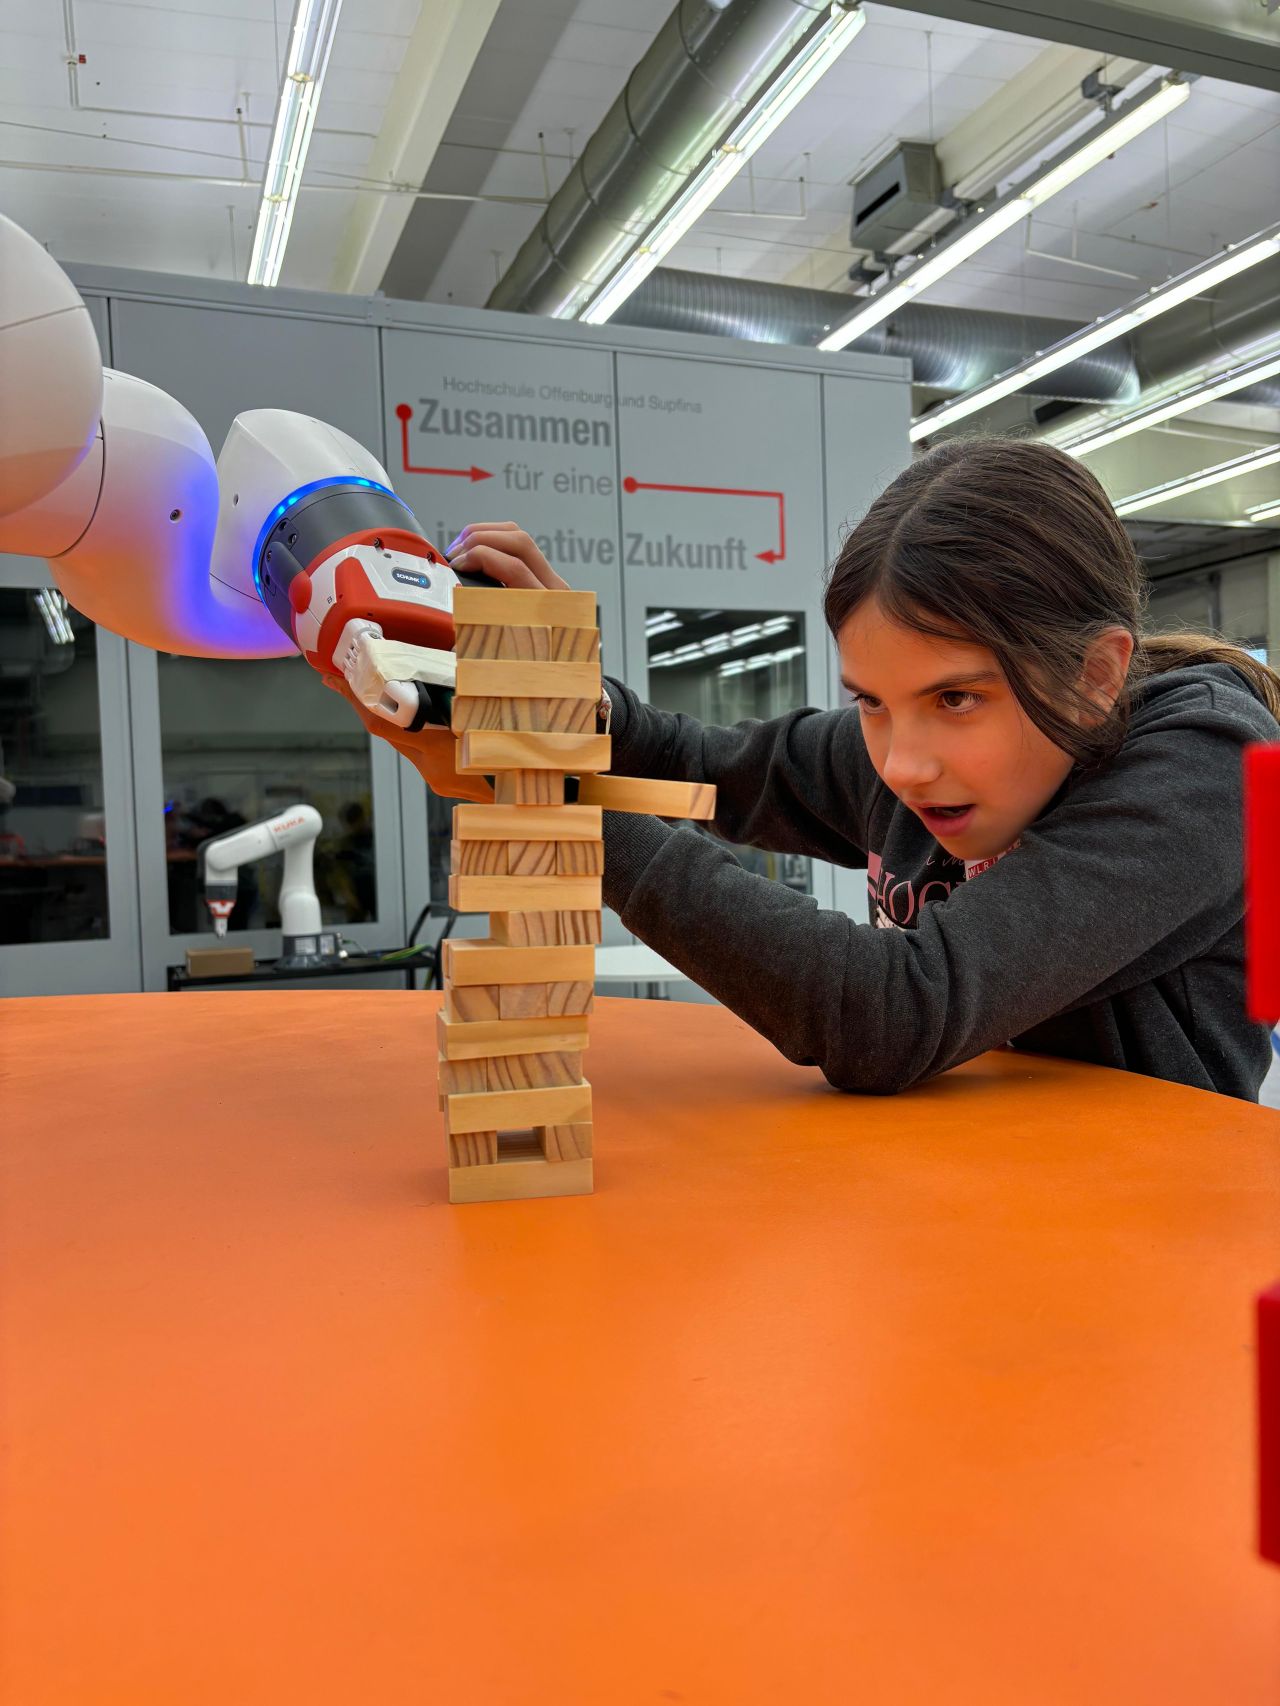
(512, 1032)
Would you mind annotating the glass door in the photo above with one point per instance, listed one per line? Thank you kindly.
(68, 896)
(223, 743)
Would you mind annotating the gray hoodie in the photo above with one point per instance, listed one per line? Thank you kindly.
(1112, 933)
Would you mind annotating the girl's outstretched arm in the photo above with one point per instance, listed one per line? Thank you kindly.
(1132, 877)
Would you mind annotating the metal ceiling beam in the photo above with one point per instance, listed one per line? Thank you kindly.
(446, 39)
(1242, 44)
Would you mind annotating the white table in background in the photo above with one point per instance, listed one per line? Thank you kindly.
(632, 962)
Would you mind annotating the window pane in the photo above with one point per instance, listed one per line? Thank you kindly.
(722, 666)
(53, 856)
(240, 742)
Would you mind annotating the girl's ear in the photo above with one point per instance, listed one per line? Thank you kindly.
(1105, 667)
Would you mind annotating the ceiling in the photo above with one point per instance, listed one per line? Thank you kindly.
(150, 153)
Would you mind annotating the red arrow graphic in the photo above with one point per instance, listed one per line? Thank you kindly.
(404, 413)
(633, 485)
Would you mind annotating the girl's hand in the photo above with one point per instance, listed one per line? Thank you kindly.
(431, 751)
(505, 552)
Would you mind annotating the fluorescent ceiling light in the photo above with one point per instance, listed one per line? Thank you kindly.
(315, 23)
(1159, 300)
(795, 79)
(1190, 394)
(1133, 118)
(1269, 511)
(1247, 464)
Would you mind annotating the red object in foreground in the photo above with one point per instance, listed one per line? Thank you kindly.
(1269, 1424)
(1262, 891)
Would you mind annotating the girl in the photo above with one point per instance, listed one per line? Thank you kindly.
(1047, 802)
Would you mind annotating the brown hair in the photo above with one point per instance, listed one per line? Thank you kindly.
(1014, 546)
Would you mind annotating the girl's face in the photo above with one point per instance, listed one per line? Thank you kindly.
(947, 735)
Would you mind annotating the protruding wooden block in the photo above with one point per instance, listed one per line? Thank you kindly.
(498, 822)
(516, 1180)
(520, 607)
(529, 788)
(473, 1148)
(569, 998)
(523, 894)
(578, 858)
(576, 645)
(528, 1001)
(525, 716)
(507, 1110)
(481, 960)
(566, 1142)
(502, 678)
(460, 1040)
(471, 1001)
(482, 752)
(518, 645)
(479, 858)
(531, 859)
(656, 799)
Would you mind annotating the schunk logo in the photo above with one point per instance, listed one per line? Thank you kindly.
(404, 576)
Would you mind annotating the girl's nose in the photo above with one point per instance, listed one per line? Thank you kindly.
(909, 767)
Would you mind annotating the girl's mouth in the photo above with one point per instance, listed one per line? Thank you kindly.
(946, 820)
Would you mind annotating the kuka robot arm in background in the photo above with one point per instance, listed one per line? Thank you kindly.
(292, 832)
(294, 540)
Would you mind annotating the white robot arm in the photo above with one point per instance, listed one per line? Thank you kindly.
(295, 540)
(292, 832)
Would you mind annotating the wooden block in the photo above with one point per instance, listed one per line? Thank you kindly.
(521, 607)
(527, 1001)
(523, 894)
(472, 1041)
(485, 678)
(569, 998)
(506, 1110)
(219, 962)
(576, 645)
(640, 794)
(503, 823)
(576, 858)
(481, 960)
(484, 751)
(529, 788)
(509, 1181)
(479, 858)
(518, 645)
(469, 1001)
(473, 1148)
(524, 716)
(531, 858)
(465, 1075)
(565, 1142)
(526, 929)
(575, 927)
(530, 1071)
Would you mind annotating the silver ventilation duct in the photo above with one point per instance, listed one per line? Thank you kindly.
(950, 349)
(953, 349)
(703, 69)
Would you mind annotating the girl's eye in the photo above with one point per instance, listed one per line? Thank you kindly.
(960, 701)
(970, 702)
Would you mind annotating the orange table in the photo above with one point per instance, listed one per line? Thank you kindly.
(819, 1400)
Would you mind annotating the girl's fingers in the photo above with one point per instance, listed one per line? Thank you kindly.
(511, 545)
